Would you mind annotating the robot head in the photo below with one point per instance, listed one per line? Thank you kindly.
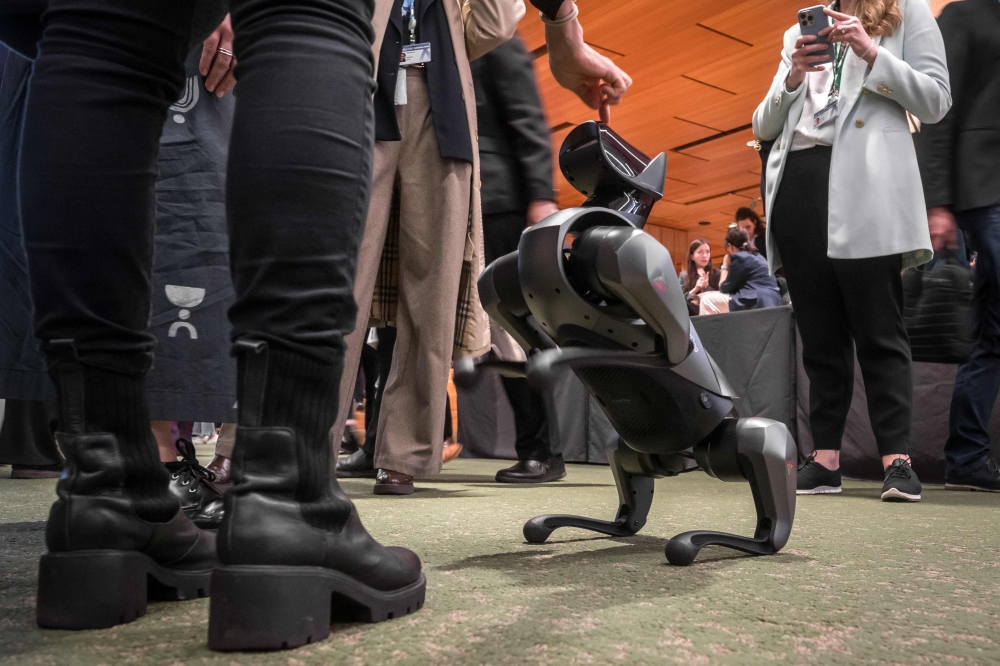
(611, 173)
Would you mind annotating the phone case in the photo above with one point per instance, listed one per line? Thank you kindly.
(811, 21)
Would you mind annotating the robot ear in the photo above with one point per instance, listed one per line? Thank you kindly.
(653, 178)
(607, 169)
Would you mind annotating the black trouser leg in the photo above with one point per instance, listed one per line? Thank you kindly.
(531, 422)
(837, 301)
(501, 235)
(106, 73)
(386, 343)
(369, 366)
(799, 225)
(873, 294)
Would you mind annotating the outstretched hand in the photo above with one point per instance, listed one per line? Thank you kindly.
(595, 79)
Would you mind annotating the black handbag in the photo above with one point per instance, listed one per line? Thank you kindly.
(937, 310)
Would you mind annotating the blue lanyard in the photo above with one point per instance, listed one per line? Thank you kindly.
(409, 8)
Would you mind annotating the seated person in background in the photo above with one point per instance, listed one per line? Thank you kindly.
(746, 282)
(749, 221)
(700, 276)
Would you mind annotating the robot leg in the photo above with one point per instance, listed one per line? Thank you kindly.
(762, 452)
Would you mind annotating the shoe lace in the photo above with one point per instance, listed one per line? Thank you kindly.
(900, 468)
(187, 467)
(992, 465)
(804, 463)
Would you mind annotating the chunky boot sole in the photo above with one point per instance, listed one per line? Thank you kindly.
(95, 589)
(258, 607)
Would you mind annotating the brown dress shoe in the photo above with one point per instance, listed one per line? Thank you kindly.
(222, 469)
(450, 451)
(388, 482)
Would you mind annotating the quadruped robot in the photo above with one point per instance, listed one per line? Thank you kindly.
(588, 290)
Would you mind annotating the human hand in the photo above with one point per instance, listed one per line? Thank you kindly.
(725, 261)
(804, 60)
(595, 79)
(848, 30)
(217, 61)
(702, 280)
(539, 210)
(943, 228)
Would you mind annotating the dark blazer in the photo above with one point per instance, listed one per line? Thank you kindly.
(960, 156)
(750, 283)
(444, 87)
(515, 153)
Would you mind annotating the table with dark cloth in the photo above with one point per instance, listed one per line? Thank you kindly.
(759, 352)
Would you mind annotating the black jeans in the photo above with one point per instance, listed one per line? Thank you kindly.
(298, 177)
(501, 234)
(837, 301)
(978, 379)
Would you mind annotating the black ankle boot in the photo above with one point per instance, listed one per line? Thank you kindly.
(293, 553)
(104, 560)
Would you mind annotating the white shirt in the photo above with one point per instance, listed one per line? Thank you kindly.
(817, 96)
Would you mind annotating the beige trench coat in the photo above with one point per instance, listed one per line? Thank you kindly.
(481, 25)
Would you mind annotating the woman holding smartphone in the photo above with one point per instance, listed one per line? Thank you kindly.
(846, 213)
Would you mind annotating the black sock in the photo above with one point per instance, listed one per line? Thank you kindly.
(302, 394)
(116, 403)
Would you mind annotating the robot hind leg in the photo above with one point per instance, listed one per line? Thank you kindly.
(762, 452)
(634, 473)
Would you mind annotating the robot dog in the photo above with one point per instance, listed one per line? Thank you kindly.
(588, 290)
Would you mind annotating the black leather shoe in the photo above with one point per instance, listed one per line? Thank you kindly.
(191, 484)
(534, 471)
(104, 562)
(358, 465)
(290, 566)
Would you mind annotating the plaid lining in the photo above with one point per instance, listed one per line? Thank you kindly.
(385, 299)
(471, 323)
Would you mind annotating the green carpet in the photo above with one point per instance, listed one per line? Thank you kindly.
(860, 582)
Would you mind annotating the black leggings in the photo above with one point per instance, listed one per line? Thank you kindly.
(298, 175)
(837, 301)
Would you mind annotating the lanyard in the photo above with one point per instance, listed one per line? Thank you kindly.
(409, 7)
(838, 70)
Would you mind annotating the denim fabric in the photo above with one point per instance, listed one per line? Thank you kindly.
(978, 379)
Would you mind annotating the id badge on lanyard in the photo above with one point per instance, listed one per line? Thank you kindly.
(412, 53)
(832, 109)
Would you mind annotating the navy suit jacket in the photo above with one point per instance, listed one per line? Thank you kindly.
(750, 283)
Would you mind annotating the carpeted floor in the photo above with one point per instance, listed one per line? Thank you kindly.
(860, 582)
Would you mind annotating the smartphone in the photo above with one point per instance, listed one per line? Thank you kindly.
(811, 21)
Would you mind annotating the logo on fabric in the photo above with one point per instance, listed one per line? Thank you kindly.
(188, 99)
(184, 298)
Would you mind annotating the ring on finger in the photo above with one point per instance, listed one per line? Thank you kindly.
(224, 51)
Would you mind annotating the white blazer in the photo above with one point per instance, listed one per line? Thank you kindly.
(876, 198)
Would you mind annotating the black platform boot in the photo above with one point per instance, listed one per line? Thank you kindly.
(293, 553)
(104, 559)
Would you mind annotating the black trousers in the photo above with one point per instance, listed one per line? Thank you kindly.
(838, 301)
(501, 234)
(298, 177)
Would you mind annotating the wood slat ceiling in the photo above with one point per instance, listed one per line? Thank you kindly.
(700, 68)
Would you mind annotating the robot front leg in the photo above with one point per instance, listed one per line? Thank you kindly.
(762, 452)
(634, 476)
